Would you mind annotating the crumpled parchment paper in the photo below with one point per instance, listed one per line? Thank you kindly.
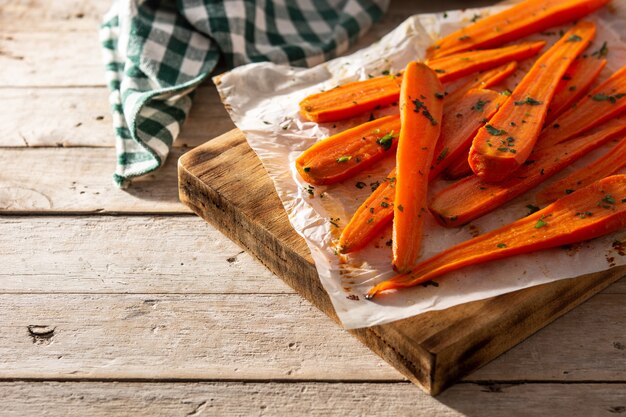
(262, 100)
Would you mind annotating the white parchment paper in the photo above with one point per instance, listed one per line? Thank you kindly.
(262, 100)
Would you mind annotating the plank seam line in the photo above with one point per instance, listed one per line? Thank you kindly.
(95, 213)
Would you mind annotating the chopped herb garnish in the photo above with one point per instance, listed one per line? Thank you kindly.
(501, 245)
(532, 209)
(602, 52)
(372, 210)
(343, 159)
(540, 223)
(566, 77)
(572, 88)
(475, 18)
(440, 71)
(464, 38)
(574, 38)
(360, 185)
(384, 204)
(420, 105)
(400, 207)
(494, 132)
(307, 169)
(453, 218)
(372, 118)
(528, 100)
(371, 219)
(334, 222)
(556, 125)
(386, 141)
(309, 189)
(569, 191)
(439, 95)
(385, 72)
(584, 214)
(430, 282)
(604, 97)
(506, 92)
(480, 105)
(374, 186)
(442, 155)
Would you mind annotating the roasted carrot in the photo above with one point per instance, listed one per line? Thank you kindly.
(472, 197)
(594, 211)
(485, 79)
(370, 218)
(358, 97)
(345, 154)
(453, 67)
(351, 99)
(461, 120)
(601, 104)
(459, 167)
(506, 141)
(574, 84)
(523, 19)
(602, 167)
(421, 108)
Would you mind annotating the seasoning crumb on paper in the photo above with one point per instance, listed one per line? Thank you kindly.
(262, 100)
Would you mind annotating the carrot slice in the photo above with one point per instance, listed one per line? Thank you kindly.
(484, 79)
(472, 197)
(421, 108)
(601, 104)
(594, 211)
(523, 19)
(345, 154)
(461, 120)
(574, 84)
(370, 218)
(459, 167)
(351, 99)
(602, 167)
(506, 141)
(359, 97)
(453, 67)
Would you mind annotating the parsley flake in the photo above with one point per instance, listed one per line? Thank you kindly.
(343, 159)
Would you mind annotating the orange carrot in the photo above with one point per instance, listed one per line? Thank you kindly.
(472, 197)
(453, 67)
(601, 104)
(370, 218)
(484, 79)
(506, 141)
(421, 108)
(459, 167)
(607, 165)
(594, 211)
(574, 84)
(460, 122)
(345, 154)
(358, 97)
(351, 99)
(523, 19)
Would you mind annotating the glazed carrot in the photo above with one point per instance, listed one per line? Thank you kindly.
(601, 104)
(472, 197)
(459, 167)
(359, 97)
(484, 79)
(461, 120)
(453, 67)
(351, 99)
(370, 218)
(506, 141)
(574, 84)
(421, 108)
(594, 211)
(602, 167)
(345, 154)
(523, 19)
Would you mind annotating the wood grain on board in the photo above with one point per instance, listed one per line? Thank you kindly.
(224, 182)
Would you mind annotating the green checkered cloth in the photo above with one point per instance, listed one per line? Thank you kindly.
(157, 51)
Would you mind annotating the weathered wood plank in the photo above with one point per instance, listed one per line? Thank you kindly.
(80, 117)
(78, 180)
(138, 254)
(96, 399)
(53, 16)
(262, 336)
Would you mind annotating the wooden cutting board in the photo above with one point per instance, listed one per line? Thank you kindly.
(224, 182)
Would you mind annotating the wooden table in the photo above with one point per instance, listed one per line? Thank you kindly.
(123, 302)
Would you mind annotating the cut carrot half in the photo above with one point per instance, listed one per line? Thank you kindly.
(609, 164)
(421, 109)
(345, 154)
(507, 140)
(525, 18)
(472, 197)
(485, 79)
(591, 212)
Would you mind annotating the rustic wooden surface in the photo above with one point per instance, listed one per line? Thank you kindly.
(97, 321)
